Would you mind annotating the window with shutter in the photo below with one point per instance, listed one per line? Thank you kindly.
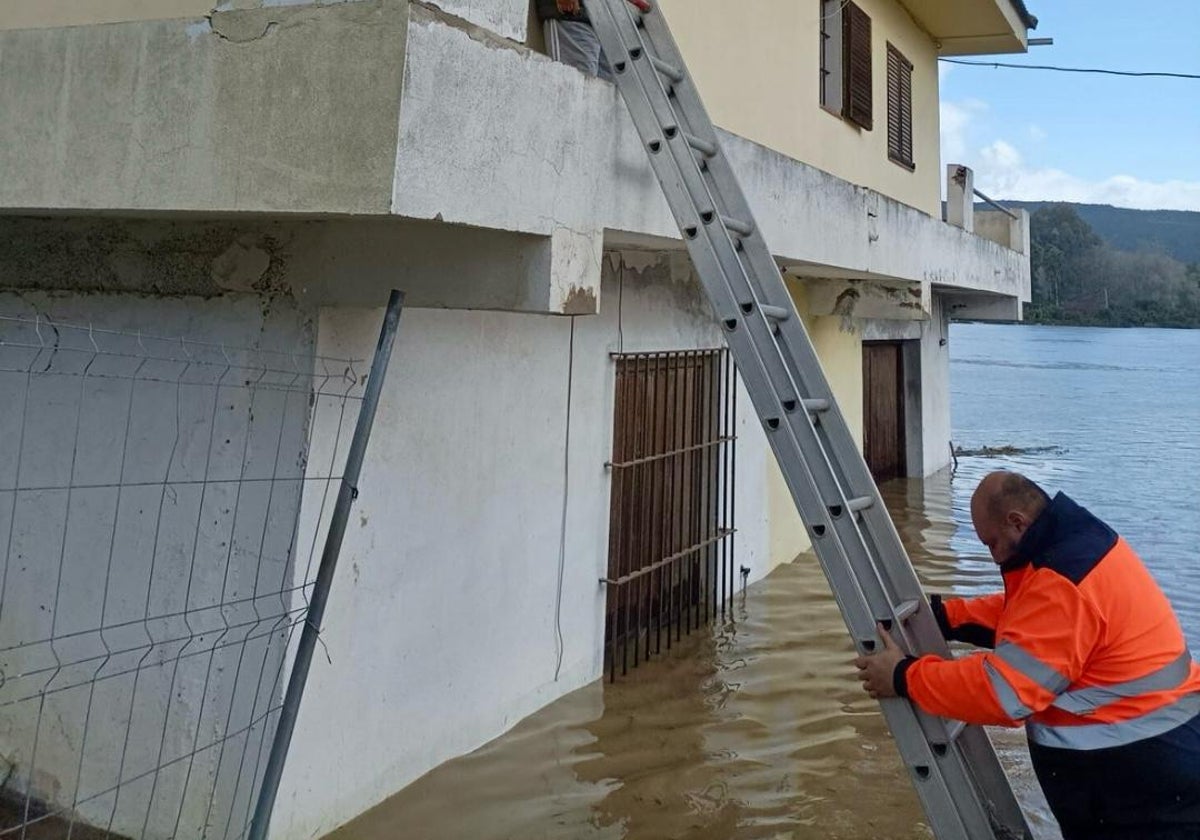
(856, 63)
(899, 97)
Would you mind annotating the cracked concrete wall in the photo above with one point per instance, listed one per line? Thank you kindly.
(507, 18)
(460, 512)
(246, 110)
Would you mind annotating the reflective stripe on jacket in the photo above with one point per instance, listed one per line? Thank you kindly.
(1087, 650)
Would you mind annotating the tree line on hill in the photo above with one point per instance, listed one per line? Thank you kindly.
(1078, 278)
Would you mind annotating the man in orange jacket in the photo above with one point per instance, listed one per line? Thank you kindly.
(1086, 653)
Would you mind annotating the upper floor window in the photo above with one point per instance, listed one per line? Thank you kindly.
(846, 61)
(899, 98)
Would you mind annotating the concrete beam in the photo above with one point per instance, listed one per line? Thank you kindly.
(983, 308)
(316, 262)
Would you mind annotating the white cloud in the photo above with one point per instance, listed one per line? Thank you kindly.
(956, 120)
(1037, 133)
(1002, 172)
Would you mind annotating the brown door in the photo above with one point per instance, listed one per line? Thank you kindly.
(883, 409)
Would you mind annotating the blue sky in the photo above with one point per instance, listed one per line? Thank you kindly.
(1037, 135)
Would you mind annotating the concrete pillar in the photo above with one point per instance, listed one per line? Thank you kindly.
(960, 196)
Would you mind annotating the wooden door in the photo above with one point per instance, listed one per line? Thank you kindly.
(884, 445)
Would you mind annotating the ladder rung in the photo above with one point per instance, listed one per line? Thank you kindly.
(861, 503)
(702, 146)
(667, 70)
(954, 728)
(775, 313)
(906, 609)
(816, 406)
(738, 226)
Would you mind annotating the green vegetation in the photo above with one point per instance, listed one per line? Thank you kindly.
(1174, 232)
(1079, 278)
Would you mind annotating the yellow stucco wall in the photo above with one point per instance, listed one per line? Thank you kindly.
(23, 14)
(758, 68)
(841, 356)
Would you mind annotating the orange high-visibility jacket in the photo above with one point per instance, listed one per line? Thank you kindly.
(1087, 650)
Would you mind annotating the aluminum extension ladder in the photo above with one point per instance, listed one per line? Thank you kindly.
(955, 770)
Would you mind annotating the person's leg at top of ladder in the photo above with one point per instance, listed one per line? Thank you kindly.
(571, 39)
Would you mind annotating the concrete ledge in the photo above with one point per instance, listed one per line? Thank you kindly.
(254, 110)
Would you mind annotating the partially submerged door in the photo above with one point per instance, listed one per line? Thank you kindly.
(884, 444)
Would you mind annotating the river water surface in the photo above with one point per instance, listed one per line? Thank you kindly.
(757, 728)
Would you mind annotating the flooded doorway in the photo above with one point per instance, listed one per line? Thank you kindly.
(670, 558)
(885, 445)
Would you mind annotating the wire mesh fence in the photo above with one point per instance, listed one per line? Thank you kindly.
(162, 503)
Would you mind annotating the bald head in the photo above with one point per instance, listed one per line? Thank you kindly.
(1003, 507)
(1001, 492)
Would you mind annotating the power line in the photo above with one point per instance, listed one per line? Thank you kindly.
(1069, 69)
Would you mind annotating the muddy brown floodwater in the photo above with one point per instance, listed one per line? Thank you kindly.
(753, 729)
(758, 728)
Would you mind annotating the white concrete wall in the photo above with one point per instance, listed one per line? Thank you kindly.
(443, 627)
(122, 546)
(935, 388)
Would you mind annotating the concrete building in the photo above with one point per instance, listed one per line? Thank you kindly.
(263, 172)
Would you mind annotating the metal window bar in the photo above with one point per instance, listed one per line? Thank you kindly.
(157, 496)
(671, 520)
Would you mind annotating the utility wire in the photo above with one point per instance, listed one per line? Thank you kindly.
(1069, 69)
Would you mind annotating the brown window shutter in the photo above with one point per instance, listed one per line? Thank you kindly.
(893, 103)
(856, 58)
(899, 95)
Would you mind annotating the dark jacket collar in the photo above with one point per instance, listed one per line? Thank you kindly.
(1066, 537)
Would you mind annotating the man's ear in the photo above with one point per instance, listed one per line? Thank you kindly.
(1018, 520)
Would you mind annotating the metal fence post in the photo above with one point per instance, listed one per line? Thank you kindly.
(329, 557)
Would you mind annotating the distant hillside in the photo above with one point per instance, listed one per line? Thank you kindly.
(1079, 278)
(1177, 232)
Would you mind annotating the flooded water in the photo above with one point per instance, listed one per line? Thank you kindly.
(1116, 415)
(758, 729)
